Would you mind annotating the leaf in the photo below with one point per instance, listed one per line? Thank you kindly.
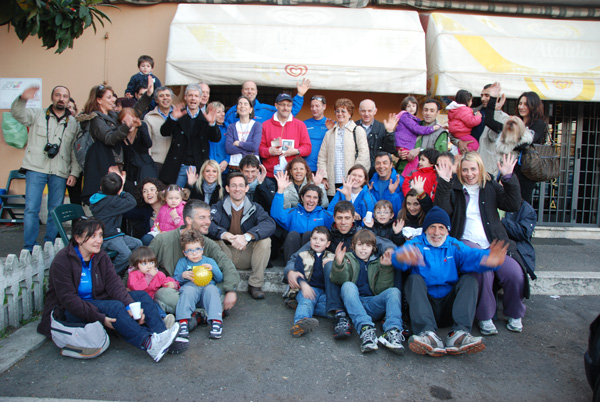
(83, 12)
(58, 19)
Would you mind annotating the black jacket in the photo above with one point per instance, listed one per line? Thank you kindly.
(255, 220)
(379, 140)
(200, 133)
(519, 227)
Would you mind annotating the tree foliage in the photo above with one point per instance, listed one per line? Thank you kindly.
(55, 22)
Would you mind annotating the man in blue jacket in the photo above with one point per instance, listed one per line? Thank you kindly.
(436, 291)
(386, 184)
(262, 111)
(242, 229)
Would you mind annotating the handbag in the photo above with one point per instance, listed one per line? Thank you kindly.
(80, 341)
(540, 162)
(15, 134)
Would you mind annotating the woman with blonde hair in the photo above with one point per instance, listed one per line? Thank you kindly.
(472, 199)
(208, 185)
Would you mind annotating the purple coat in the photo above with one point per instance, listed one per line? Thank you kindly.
(407, 130)
(248, 147)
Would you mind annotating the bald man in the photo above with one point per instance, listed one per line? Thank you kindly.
(379, 137)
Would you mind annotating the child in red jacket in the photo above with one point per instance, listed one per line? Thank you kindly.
(461, 119)
(427, 160)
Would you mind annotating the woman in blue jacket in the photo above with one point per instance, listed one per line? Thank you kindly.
(356, 191)
(302, 219)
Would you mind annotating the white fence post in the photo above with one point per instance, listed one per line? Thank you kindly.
(22, 283)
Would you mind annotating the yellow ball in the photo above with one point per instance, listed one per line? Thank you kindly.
(202, 274)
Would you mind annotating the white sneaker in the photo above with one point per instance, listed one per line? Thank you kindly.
(169, 320)
(160, 343)
(514, 324)
(487, 327)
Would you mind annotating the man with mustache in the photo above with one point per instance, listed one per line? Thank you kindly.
(49, 157)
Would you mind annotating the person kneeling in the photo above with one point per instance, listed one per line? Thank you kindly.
(368, 291)
(437, 292)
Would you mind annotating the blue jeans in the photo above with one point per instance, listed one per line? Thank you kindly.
(127, 327)
(182, 176)
(123, 245)
(363, 310)
(208, 297)
(35, 183)
(307, 308)
(333, 291)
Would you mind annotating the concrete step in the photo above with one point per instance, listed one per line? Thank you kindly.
(567, 232)
(559, 283)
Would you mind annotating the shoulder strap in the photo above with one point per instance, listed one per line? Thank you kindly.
(355, 144)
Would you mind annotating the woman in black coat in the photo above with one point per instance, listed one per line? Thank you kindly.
(472, 199)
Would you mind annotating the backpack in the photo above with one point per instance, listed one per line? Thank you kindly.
(80, 341)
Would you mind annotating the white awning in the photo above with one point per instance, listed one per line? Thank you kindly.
(338, 49)
(558, 59)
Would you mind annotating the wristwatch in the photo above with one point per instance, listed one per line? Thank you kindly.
(247, 237)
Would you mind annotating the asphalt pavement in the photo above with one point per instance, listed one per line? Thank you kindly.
(258, 359)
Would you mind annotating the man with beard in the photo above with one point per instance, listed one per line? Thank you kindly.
(49, 157)
(438, 291)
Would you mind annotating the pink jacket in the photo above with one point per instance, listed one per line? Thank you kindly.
(461, 120)
(164, 220)
(137, 281)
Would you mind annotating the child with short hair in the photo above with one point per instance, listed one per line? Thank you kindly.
(109, 205)
(384, 225)
(408, 128)
(145, 65)
(368, 292)
(311, 296)
(461, 119)
(170, 215)
(144, 275)
(426, 171)
(192, 295)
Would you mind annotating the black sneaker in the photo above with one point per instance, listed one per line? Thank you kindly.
(369, 339)
(179, 345)
(342, 326)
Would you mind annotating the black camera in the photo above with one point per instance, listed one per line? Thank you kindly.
(51, 150)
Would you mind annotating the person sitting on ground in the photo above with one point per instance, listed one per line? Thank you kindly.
(312, 295)
(144, 275)
(300, 175)
(192, 295)
(242, 229)
(342, 231)
(437, 290)
(167, 247)
(208, 185)
(302, 219)
(141, 219)
(83, 288)
(355, 190)
(427, 160)
(384, 225)
(414, 208)
(109, 205)
(260, 190)
(472, 199)
(368, 292)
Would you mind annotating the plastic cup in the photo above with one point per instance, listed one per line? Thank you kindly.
(368, 216)
(136, 310)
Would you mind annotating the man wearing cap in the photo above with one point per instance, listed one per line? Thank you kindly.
(316, 129)
(283, 137)
(437, 290)
(262, 111)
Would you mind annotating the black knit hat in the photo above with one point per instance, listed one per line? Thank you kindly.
(436, 215)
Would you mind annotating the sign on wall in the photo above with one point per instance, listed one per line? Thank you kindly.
(10, 88)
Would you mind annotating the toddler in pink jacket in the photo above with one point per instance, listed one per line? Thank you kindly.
(170, 215)
(461, 119)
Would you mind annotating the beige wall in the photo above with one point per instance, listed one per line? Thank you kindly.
(135, 30)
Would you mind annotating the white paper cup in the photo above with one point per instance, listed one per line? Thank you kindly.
(136, 310)
(368, 216)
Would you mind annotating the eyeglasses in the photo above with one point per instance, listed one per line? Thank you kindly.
(319, 98)
(194, 251)
(99, 89)
(383, 212)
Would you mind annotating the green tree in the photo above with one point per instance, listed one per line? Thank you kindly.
(55, 22)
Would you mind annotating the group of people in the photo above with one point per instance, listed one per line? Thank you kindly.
(365, 213)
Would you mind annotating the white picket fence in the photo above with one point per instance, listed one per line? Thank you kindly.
(22, 283)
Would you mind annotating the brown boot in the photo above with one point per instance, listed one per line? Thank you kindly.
(256, 293)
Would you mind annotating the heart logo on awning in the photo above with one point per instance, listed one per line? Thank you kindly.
(562, 84)
(295, 71)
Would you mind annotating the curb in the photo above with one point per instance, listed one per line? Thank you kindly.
(19, 344)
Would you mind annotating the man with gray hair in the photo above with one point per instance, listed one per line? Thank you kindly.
(190, 130)
(155, 119)
(381, 137)
(205, 95)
